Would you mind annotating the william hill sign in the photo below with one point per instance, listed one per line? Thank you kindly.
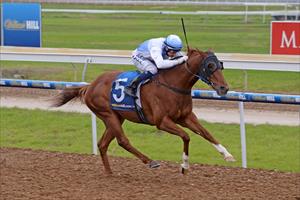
(21, 24)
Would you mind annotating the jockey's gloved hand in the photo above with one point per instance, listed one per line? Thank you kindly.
(182, 59)
(185, 58)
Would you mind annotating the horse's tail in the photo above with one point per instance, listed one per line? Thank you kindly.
(69, 94)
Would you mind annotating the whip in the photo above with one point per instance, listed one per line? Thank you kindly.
(183, 27)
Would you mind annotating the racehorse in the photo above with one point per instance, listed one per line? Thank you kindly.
(166, 102)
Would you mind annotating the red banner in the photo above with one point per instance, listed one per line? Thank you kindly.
(285, 37)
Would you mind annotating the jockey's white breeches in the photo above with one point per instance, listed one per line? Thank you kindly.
(144, 64)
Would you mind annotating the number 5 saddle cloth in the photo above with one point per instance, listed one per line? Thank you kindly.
(119, 100)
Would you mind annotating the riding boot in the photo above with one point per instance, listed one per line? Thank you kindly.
(131, 89)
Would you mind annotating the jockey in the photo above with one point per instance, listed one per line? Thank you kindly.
(154, 54)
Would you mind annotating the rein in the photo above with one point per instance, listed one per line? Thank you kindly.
(204, 71)
(203, 74)
(174, 89)
(186, 66)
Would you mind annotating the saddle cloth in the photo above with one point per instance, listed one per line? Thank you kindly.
(119, 100)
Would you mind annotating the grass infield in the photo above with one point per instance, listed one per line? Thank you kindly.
(268, 147)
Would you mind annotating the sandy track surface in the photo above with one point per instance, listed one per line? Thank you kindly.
(211, 111)
(28, 174)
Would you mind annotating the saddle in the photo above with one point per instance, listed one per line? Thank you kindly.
(119, 100)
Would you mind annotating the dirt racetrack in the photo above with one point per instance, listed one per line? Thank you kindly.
(28, 174)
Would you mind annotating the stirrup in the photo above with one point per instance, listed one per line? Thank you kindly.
(130, 91)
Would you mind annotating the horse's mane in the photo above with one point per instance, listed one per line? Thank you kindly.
(192, 51)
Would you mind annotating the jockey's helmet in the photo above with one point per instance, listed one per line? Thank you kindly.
(173, 42)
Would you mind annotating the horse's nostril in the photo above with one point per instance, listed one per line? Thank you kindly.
(224, 90)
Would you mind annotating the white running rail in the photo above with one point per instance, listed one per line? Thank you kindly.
(122, 57)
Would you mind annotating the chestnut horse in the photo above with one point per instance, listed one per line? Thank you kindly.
(166, 101)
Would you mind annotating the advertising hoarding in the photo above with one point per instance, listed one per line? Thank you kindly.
(285, 37)
(21, 24)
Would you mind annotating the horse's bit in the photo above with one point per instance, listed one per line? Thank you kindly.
(207, 67)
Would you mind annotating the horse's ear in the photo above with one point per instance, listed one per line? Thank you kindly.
(189, 50)
(210, 50)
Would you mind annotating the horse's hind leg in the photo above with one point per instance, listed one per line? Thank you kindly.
(103, 144)
(193, 124)
(114, 126)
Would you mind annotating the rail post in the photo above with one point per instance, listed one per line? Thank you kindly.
(243, 134)
(242, 124)
(93, 116)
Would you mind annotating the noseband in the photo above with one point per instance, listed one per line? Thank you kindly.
(207, 67)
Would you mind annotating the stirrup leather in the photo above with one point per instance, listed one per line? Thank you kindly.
(130, 91)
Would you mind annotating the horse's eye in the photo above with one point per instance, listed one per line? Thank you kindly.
(212, 67)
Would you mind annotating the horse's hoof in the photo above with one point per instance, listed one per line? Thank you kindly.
(154, 164)
(108, 172)
(183, 170)
(229, 159)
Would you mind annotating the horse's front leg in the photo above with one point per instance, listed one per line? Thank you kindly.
(168, 125)
(192, 123)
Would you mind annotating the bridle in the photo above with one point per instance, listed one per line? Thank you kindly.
(207, 67)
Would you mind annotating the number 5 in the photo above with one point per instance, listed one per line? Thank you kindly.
(120, 87)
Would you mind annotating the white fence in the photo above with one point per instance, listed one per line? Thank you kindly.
(175, 2)
(119, 57)
(166, 12)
